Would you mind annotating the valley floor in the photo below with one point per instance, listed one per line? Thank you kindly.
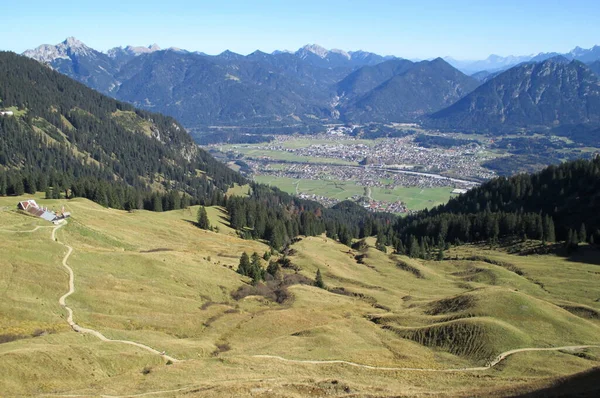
(387, 325)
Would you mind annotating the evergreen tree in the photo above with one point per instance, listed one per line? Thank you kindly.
(495, 231)
(367, 228)
(440, 255)
(48, 193)
(202, 217)
(56, 192)
(244, 265)
(185, 201)
(400, 247)
(157, 204)
(319, 280)
(273, 268)
(572, 241)
(582, 233)
(30, 186)
(549, 233)
(18, 187)
(3, 184)
(380, 243)
(256, 271)
(413, 248)
(278, 236)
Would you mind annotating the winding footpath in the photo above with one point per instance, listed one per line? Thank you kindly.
(70, 320)
(25, 232)
(489, 365)
(79, 329)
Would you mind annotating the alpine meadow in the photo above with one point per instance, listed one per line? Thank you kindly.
(305, 223)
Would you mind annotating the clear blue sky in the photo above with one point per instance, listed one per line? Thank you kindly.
(410, 29)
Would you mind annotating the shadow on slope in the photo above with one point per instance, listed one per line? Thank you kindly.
(585, 384)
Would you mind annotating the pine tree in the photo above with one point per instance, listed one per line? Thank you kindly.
(3, 184)
(572, 241)
(244, 265)
(400, 247)
(440, 255)
(157, 203)
(273, 268)
(56, 192)
(367, 228)
(549, 233)
(202, 218)
(256, 271)
(18, 187)
(319, 280)
(380, 243)
(413, 248)
(48, 193)
(582, 233)
(495, 231)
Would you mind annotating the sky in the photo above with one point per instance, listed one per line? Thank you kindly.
(409, 29)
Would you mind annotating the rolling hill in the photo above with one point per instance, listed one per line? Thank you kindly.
(157, 280)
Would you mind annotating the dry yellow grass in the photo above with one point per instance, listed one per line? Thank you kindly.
(156, 279)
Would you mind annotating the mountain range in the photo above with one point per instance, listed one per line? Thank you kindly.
(531, 96)
(495, 63)
(314, 86)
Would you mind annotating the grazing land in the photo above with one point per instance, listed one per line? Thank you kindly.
(386, 324)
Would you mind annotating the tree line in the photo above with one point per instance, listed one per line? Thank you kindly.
(559, 203)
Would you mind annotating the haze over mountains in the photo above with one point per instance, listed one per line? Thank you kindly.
(314, 86)
(495, 63)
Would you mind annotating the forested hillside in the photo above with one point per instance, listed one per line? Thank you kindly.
(66, 136)
(559, 203)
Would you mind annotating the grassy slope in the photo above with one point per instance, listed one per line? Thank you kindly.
(157, 279)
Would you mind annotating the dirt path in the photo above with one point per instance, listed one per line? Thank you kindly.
(26, 232)
(70, 320)
(489, 365)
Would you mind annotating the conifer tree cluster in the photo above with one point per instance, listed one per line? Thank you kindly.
(557, 204)
(252, 267)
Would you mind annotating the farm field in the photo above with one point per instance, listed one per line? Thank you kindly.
(415, 198)
(253, 152)
(403, 326)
